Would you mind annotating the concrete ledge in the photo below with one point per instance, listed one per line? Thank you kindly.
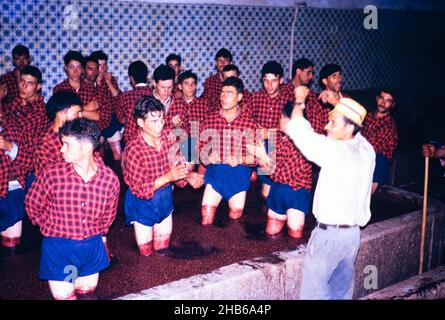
(391, 247)
(429, 285)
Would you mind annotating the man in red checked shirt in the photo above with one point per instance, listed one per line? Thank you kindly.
(151, 163)
(223, 138)
(22, 122)
(302, 75)
(266, 107)
(63, 106)
(9, 82)
(109, 91)
(174, 61)
(163, 81)
(137, 73)
(194, 111)
(213, 84)
(331, 80)
(380, 129)
(86, 91)
(74, 202)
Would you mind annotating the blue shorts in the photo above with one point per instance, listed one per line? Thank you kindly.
(66, 259)
(381, 171)
(149, 212)
(12, 208)
(282, 197)
(227, 180)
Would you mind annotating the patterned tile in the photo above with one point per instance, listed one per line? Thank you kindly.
(127, 31)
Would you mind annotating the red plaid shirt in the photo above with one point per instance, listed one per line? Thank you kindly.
(47, 151)
(175, 108)
(64, 206)
(316, 112)
(86, 92)
(11, 82)
(224, 138)
(212, 88)
(26, 124)
(381, 133)
(17, 169)
(143, 164)
(109, 104)
(322, 108)
(287, 89)
(290, 166)
(266, 110)
(125, 105)
(195, 110)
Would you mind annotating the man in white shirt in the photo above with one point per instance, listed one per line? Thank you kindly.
(342, 196)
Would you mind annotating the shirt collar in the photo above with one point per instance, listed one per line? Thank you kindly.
(166, 103)
(236, 117)
(100, 168)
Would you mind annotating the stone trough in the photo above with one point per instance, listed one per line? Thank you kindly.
(389, 253)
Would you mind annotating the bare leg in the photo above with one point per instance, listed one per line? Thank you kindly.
(162, 233)
(144, 238)
(275, 222)
(11, 236)
(62, 290)
(295, 223)
(86, 284)
(236, 205)
(210, 202)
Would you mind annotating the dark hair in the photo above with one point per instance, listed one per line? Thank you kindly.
(302, 63)
(389, 90)
(187, 74)
(231, 67)
(173, 56)
(356, 126)
(139, 71)
(32, 71)
(20, 50)
(82, 129)
(62, 100)
(99, 55)
(234, 82)
(90, 58)
(223, 52)
(163, 72)
(72, 55)
(272, 67)
(145, 105)
(326, 71)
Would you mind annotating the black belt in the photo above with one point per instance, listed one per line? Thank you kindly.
(335, 226)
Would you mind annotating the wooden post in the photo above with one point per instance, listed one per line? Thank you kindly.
(425, 201)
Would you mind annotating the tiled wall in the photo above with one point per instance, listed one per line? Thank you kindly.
(129, 30)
